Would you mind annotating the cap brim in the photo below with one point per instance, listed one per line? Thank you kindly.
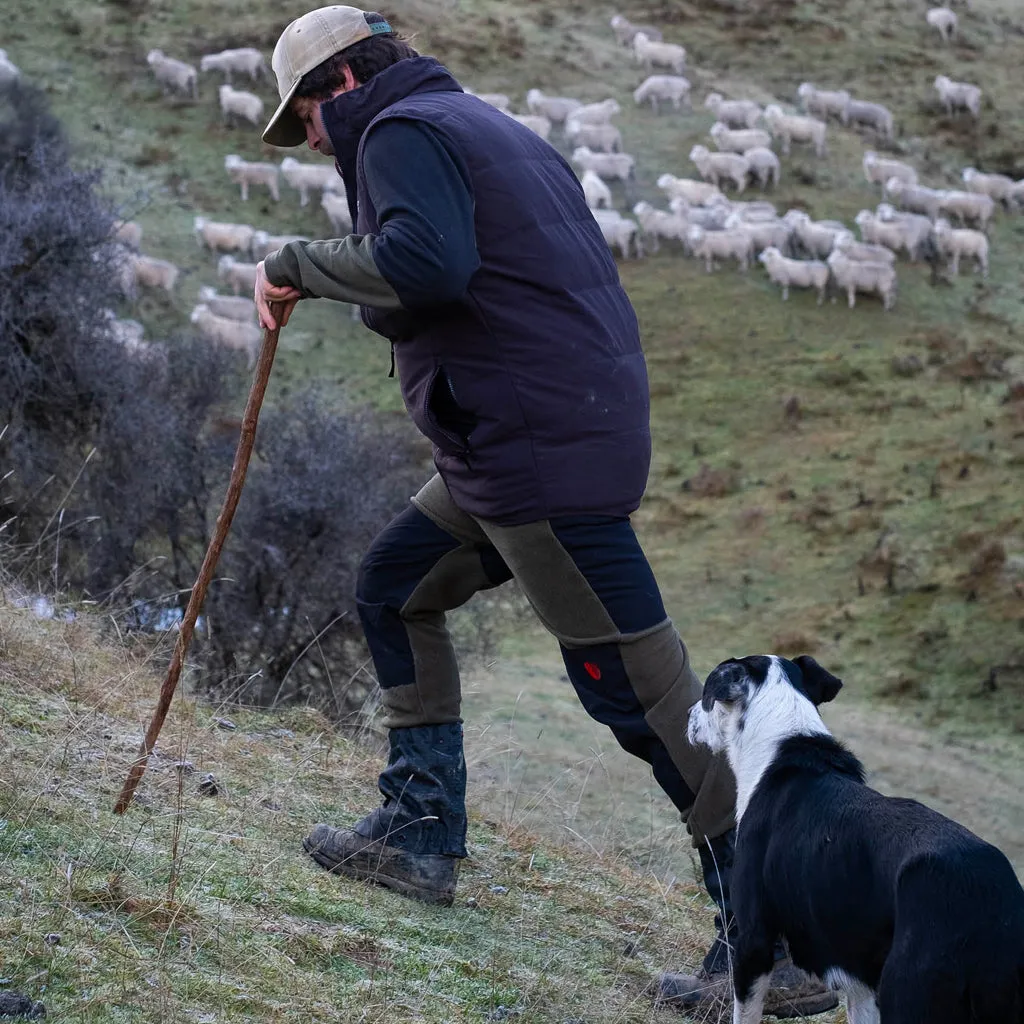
(285, 128)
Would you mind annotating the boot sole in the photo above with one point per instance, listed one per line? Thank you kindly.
(806, 1006)
(364, 868)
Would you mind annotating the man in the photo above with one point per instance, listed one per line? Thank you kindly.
(519, 357)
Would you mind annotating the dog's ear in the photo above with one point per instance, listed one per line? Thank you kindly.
(819, 685)
(727, 683)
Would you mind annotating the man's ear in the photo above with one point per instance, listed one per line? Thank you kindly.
(819, 685)
(727, 683)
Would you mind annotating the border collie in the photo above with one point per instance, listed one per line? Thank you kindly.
(919, 920)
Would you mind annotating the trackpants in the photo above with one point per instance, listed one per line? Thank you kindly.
(588, 581)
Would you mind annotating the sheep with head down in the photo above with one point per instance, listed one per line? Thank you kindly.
(958, 95)
(671, 88)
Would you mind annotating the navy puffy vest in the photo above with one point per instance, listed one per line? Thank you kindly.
(533, 388)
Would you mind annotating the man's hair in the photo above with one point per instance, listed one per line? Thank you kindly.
(366, 58)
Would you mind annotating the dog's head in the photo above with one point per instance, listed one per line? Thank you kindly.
(737, 685)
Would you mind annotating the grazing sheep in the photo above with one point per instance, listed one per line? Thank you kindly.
(245, 60)
(595, 191)
(651, 54)
(8, 69)
(554, 108)
(868, 278)
(173, 74)
(128, 232)
(917, 230)
(597, 113)
(234, 334)
(720, 245)
(304, 177)
(241, 276)
(958, 95)
(755, 209)
(795, 273)
(153, 273)
(625, 31)
(657, 224)
(739, 140)
(231, 307)
(878, 170)
(264, 244)
(944, 20)
(915, 198)
(607, 165)
(763, 234)
(893, 234)
(237, 103)
(822, 102)
(619, 231)
(699, 193)
(710, 218)
(244, 173)
(967, 207)
(764, 165)
(956, 242)
(795, 128)
(494, 99)
(734, 113)
(673, 88)
(336, 208)
(999, 186)
(218, 236)
(816, 238)
(714, 167)
(604, 137)
(871, 115)
(862, 252)
(537, 123)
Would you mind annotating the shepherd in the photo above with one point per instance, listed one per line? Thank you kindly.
(518, 355)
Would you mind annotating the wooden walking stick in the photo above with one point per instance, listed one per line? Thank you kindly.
(220, 533)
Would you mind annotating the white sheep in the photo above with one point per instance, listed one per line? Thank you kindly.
(657, 224)
(852, 276)
(238, 103)
(604, 137)
(873, 115)
(651, 54)
(795, 128)
(619, 231)
(763, 234)
(245, 60)
(915, 198)
(607, 165)
(999, 186)
(554, 108)
(597, 113)
(537, 123)
(734, 113)
(823, 102)
(173, 74)
(878, 170)
(232, 307)
(795, 273)
(153, 273)
(9, 71)
(127, 232)
(956, 242)
(498, 100)
(699, 193)
(595, 191)
(720, 245)
(739, 140)
(958, 95)
(764, 165)
(304, 177)
(967, 207)
(625, 30)
(241, 276)
(710, 218)
(246, 173)
(714, 167)
(230, 333)
(892, 233)
(754, 209)
(673, 88)
(263, 243)
(218, 236)
(336, 208)
(816, 237)
(915, 229)
(862, 252)
(943, 20)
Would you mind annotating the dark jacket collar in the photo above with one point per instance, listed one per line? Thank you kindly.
(348, 115)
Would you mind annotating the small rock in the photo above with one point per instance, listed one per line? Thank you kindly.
(184, 767)
(907, 366)
(208, 785)
(630, 949)
(224, 723)
(14, 1004)
(504, 1012)
(282, 734)
(52, 939)
(499, 889)
(472, 903)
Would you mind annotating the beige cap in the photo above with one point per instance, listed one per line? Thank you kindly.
(304, 44)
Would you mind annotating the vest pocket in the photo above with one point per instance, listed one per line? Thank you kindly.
(450, 422)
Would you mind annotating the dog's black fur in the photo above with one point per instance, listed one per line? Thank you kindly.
(892, 893)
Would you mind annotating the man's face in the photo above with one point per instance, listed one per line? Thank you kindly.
(308, 111)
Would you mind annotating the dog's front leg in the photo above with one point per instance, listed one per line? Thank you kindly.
(860, 1005)
(752, 968)
(748, 1010)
